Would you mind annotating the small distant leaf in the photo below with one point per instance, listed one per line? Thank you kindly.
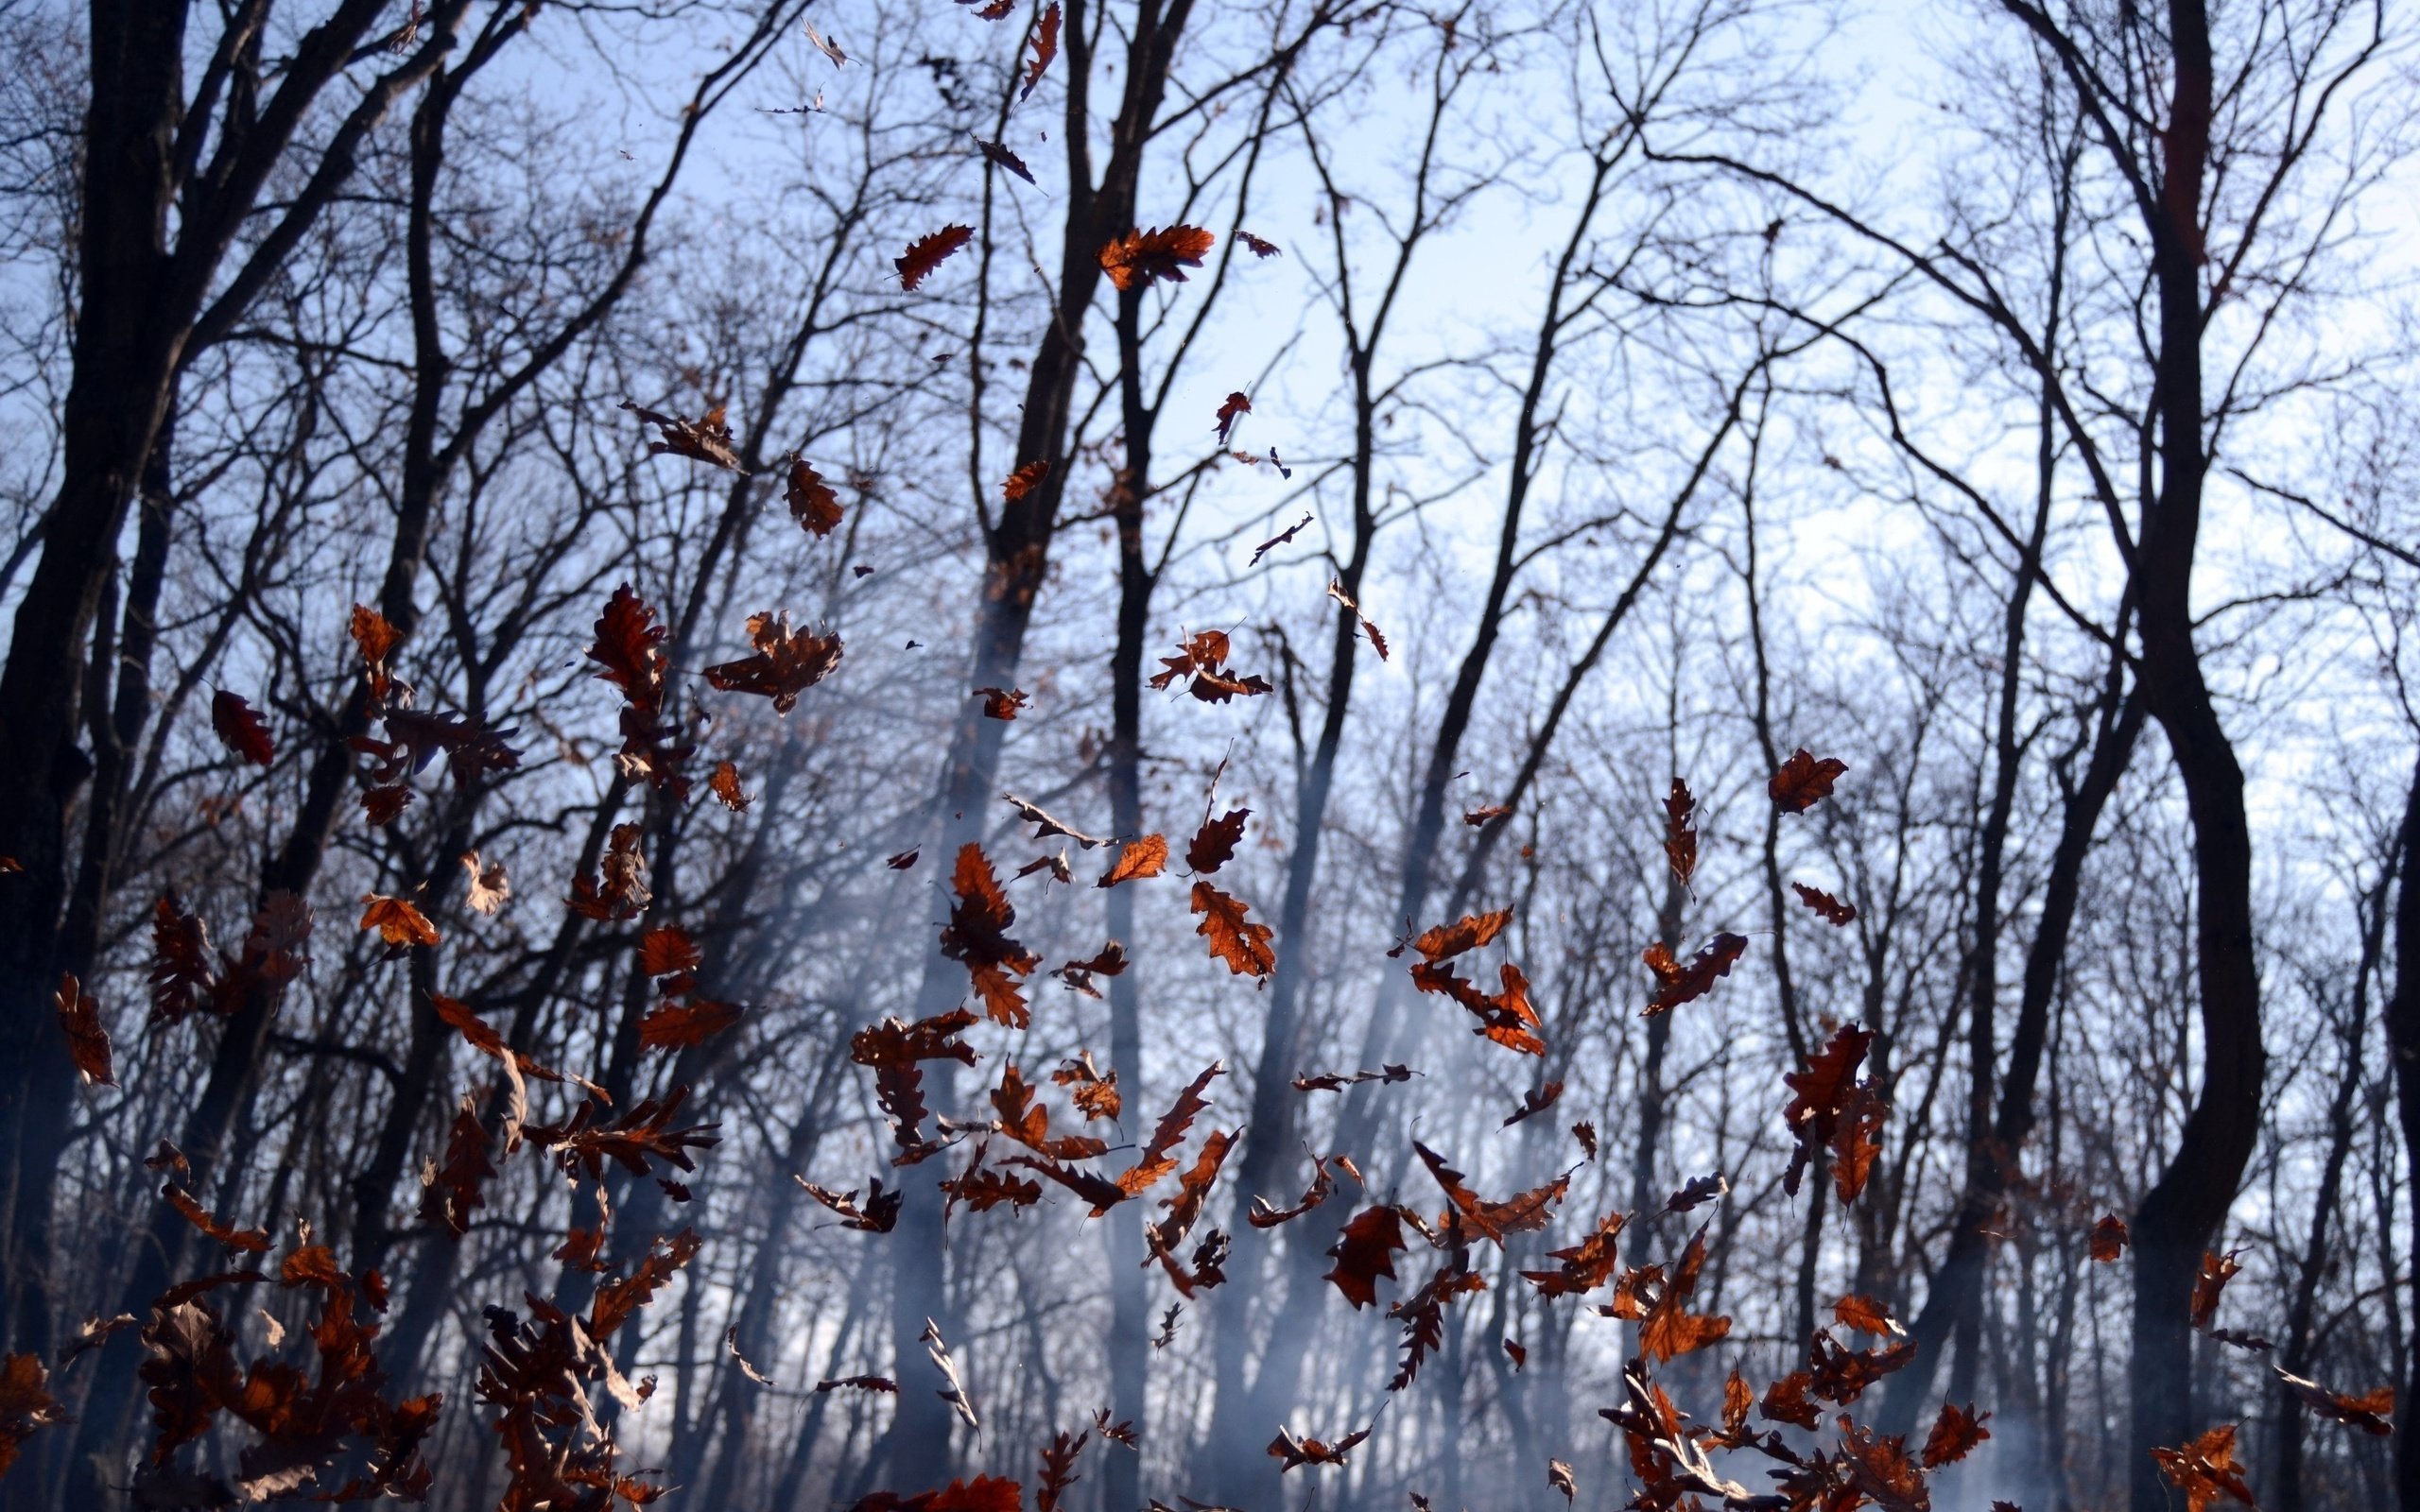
(1234, 406)
(2108, 1238)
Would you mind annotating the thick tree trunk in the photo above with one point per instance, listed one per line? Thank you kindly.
(2403, 1044)
(1016, 564)
(2180, 1216)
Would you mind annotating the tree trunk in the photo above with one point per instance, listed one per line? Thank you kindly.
(2181, 1214)
(2403, 1042)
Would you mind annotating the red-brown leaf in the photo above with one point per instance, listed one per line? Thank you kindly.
(1954, 1434)
(1676, 984)
(812, 502)
(241, 729)
(925, 254)
(1045, 47)
(1804, 782)
(88, 1043)
(1244, 946)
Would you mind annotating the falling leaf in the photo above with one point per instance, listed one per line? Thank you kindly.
(2206, 1469)
(1829, 1105)
(1234, 406)
(1294, 1452)
(1214, 844)
(1134, 260)
(998, 153)
(724, 784)
(1486, 814)
(976, 934)
(2371, 1414)
(878, 1214)
(241, 729)
(882, 1383)
(1867, 1315)
(1259, 248)
(1703, 1189)
(242, 1241)
(1045, 47)
(2212, 1279)
(731, 1347)
(1680, 832)
(1203, 657)
(1244, 946)
(824, 46)
(1831, 909)
(1136, 860)
(904, 859)
(1669, 1329)
(929, 252)
(1676, 984)
(1264, 1216)
(486, 886)
(1582, 1268)
(1954, 1434)
(1278, 539)
(1804, 782)
(1534, 1101)
(1523, 1213)
(88, 1043)
(707, 439)
(812, 502)
(1024, 479)
(1559, 1477)
(1047, 823)
(2108, 1238)
(25, 1403)
(1001, 703)
(787, 662)
(397, 921)
(1159, 1158)
(1365, 1251)
(952, 1391)
(1110, 961)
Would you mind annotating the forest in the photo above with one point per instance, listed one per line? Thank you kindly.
(1210, 755)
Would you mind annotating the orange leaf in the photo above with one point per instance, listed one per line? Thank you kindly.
(1024, 479)
(1136, 860)
(397, 921)
(1242, 945)
(1134, 260)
